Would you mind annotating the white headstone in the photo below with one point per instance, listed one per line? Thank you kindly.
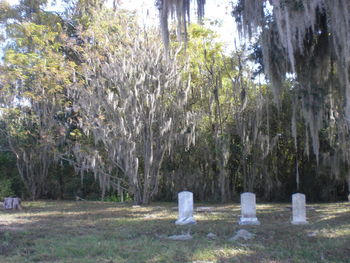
(185, 208)
(248, 210)
(299, 209)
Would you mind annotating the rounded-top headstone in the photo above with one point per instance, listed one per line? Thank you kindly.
(185, 208)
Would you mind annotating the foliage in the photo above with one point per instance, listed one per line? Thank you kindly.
(309, 40)
(93, 105)
(131, 98)
(33, 88)
(6, 188)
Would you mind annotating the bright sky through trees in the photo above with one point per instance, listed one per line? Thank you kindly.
(217, 19)
(217, 16)
(218, 11)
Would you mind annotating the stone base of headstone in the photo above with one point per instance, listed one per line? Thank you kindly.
(185, 221)
(299, 222)
(244, 234)
(249, 221)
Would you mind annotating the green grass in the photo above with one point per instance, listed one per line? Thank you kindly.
(97, 232)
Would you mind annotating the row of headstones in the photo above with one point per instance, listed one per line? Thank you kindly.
(248, 209)
(12, 203)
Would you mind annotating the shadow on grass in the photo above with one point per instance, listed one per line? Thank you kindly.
(98, 231)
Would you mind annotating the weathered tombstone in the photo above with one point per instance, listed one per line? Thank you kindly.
(8, 203)
(248, 210)
(299, 209)
(12, 203)
(16, 203)
(185, 208)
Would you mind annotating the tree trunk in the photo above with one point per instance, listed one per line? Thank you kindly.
(222, 180)
(148, 160)
(61, 183)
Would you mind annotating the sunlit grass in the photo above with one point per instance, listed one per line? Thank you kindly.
(110, 232)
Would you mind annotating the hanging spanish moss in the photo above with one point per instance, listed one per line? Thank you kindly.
(131, 104)
(307, 39)
(311, 40)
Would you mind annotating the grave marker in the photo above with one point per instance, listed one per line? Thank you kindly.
(299, 209)
(185, 208)
(248, 210)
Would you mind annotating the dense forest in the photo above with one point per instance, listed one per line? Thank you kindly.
(95, 105)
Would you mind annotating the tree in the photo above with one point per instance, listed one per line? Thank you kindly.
(311, 40)
(308, 39)
(33, 89)
(213, 99)
(131, 100)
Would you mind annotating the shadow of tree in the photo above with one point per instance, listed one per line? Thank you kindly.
(128, 233)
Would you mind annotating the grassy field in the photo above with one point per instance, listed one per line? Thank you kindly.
(94, 232)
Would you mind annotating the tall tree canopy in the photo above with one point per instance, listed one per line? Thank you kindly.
(92, 104)
(307, 41)
(307, 38)
(34, 81)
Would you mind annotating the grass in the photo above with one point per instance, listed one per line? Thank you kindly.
(102, 232)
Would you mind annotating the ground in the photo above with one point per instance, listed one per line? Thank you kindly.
(96, 232)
